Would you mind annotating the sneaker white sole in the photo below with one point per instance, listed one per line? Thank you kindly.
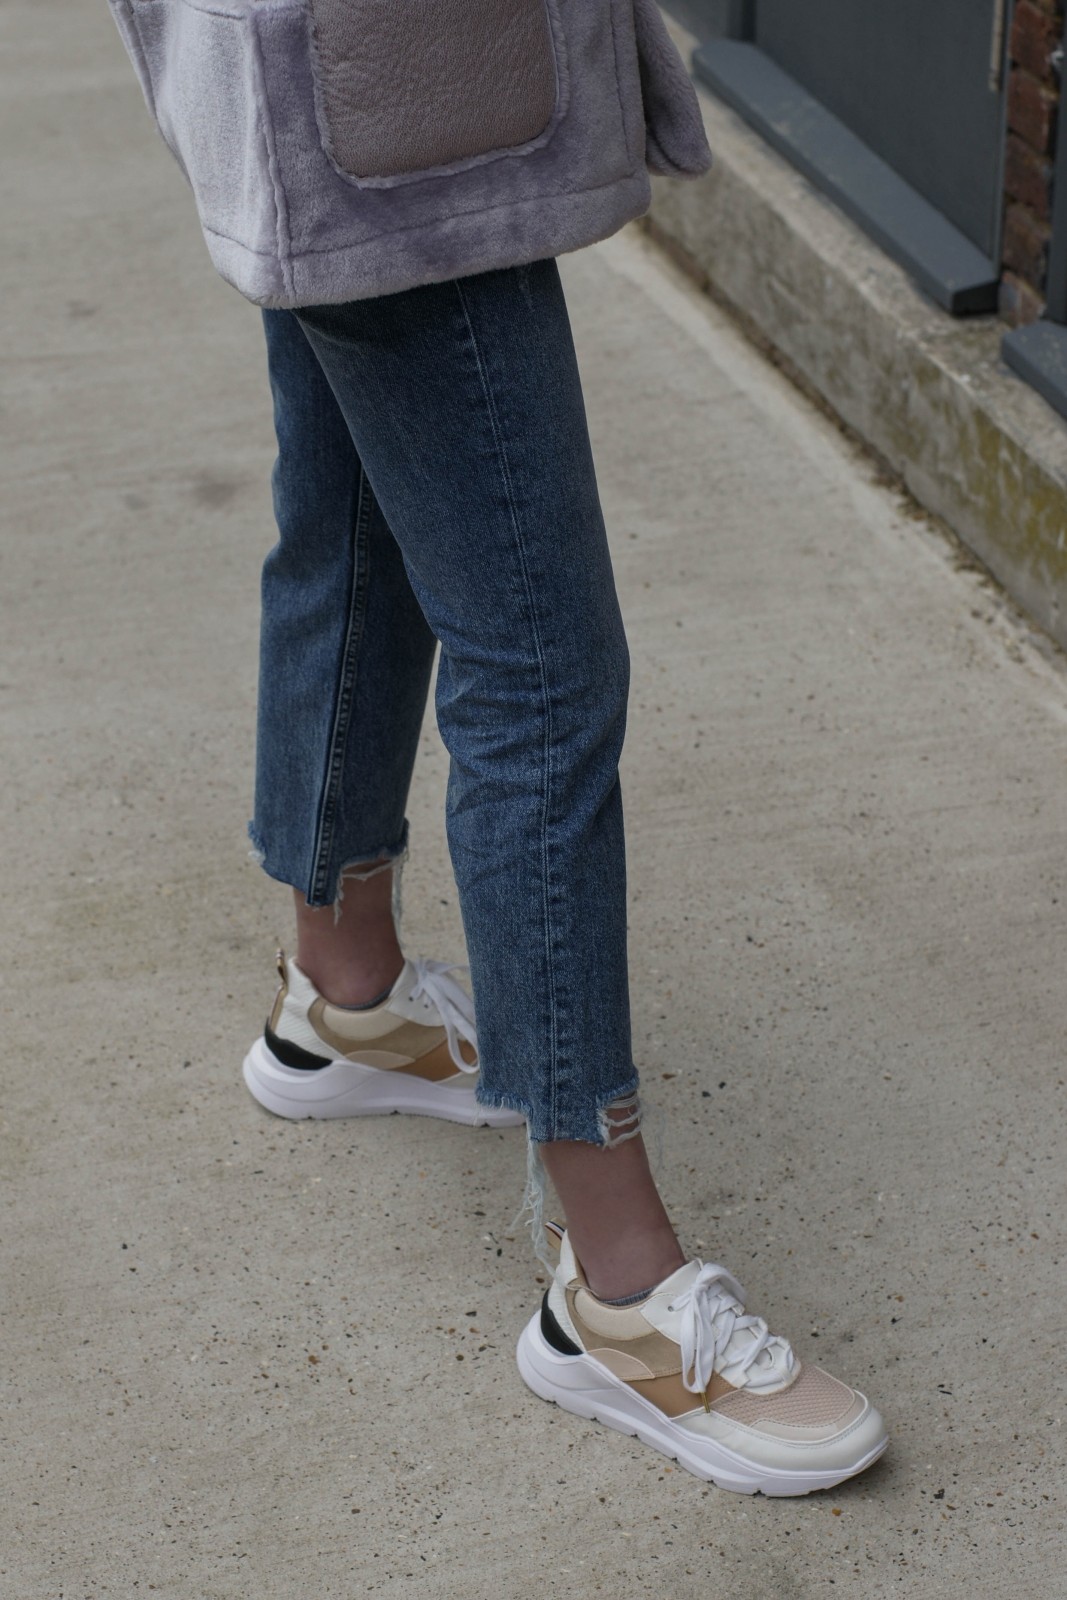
(582, 1385)
(349, 1089)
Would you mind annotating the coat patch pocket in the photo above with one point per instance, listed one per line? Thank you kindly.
(407, 88)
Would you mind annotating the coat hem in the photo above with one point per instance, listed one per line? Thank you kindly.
(454, 247)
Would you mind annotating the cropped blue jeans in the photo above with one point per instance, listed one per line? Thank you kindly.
(435, 483)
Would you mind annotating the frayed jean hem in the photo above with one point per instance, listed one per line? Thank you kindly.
(606, 1131)
(378, 859)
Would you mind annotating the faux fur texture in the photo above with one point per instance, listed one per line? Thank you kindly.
(239, 92)
(676, 145)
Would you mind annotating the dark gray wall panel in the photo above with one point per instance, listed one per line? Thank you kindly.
(911, 79)
(940, 257)
(713, 19)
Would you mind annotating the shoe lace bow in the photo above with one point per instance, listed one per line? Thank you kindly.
(713, 1314)
(434, 982)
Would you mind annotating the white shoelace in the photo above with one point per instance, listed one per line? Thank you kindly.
(453, 1004)
(712, 1311)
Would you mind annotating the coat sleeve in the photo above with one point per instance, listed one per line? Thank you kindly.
(677, 145)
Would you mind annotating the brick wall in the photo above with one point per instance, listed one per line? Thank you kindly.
(1033, 106)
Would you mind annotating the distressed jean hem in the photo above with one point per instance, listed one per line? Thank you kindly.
(392, 854)
(603, 1132)
(593, 1129)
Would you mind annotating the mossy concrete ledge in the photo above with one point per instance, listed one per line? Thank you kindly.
(927, 392)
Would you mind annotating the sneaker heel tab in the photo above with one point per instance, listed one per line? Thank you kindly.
(274, 1019)
(569, 1266)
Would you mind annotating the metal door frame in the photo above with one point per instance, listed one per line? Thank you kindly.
(1038, 352)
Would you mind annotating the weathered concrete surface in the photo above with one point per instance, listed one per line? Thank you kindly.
(929, 392)
(230, 1345)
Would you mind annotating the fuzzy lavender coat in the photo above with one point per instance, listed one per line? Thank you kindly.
(339, 149)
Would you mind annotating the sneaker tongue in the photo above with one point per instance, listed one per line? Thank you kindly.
(657, 1308)
(399, 997)
(679, 1281)
(405, 980)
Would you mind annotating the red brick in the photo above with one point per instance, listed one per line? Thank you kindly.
(1025, 249)
(1035, 34)
(1017, 302)
(1028, 177)
(1031, 111)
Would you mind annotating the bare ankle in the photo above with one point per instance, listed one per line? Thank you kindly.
(353, 983)
(615, 1218)
(351, 951)
(637, 1264)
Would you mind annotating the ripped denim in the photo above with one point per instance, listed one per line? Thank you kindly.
(435, 482)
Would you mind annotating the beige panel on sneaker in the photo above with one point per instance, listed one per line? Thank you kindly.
(814, 1399)
(437, 1065)
(667, 1392)
(812, 1435)
(640, 1355)
(619, 1362)
(610, 1322)
(659, 1355)
(411, 1039)
(673, 1398)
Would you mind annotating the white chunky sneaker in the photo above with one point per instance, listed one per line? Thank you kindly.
(691, 1375)
(416, 1051)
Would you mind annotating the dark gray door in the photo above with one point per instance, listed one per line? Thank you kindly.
(896, 108)
(917, 80)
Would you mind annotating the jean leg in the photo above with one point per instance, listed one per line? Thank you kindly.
(345, 652)
(465, 405)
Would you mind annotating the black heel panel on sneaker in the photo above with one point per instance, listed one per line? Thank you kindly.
(553, 1334)
(291, 1055)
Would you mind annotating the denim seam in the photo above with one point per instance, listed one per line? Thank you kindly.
(357, 611)
(546, 801)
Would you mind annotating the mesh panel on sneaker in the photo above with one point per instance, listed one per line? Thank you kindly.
(813, 1400)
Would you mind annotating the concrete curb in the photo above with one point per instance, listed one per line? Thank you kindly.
(927, 392)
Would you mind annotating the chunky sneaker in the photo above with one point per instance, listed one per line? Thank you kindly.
(694, 1377)
(415, 1051)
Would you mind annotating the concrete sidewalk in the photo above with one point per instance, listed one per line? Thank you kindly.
(250, 1358)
